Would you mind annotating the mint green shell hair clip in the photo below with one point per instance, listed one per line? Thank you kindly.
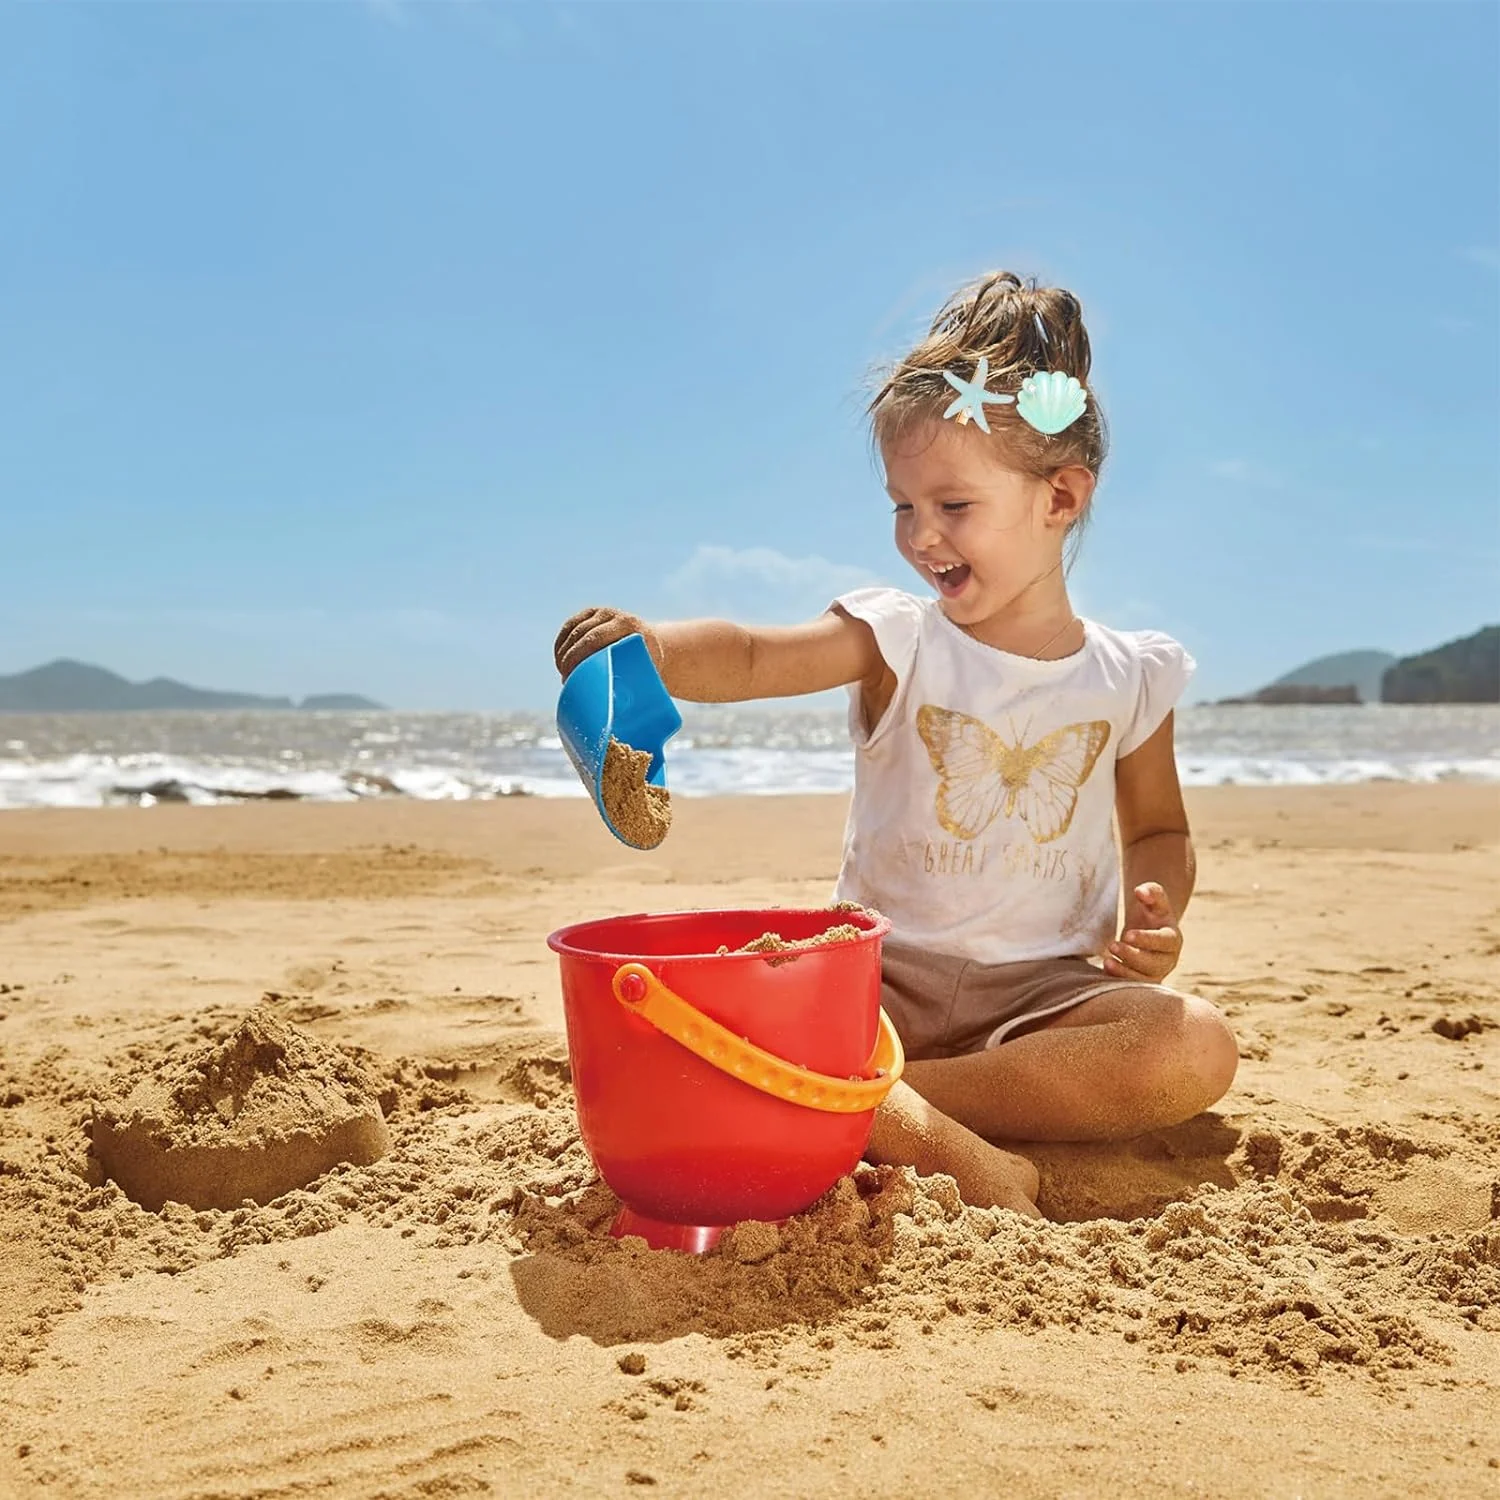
(1048, 401)
(1051, 401)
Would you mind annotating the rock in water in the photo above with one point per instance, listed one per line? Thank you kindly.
(265, 1111)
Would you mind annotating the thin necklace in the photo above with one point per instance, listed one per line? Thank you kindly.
(1037, 654)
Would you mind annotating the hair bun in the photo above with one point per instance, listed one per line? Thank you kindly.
(1019, 329)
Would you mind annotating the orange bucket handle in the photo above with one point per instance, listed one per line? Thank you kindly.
(641, 992)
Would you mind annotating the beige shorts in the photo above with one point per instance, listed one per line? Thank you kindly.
(943, 1006)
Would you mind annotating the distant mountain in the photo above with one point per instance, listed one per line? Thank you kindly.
(1349, 677)
(1463, 671)
(1361, 670)
(1299, 693)
(75, 687)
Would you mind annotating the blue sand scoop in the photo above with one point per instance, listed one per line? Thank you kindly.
(616, 693)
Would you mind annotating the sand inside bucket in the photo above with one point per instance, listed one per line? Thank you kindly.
(641, 812)
(266, 1110)
(773, 942)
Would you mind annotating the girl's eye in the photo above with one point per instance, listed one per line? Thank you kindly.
(955, 507)
(901, 510)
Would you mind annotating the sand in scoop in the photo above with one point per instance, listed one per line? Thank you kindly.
(642, 813)
(267, 1110)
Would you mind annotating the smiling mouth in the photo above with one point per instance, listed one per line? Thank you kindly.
(949, 578)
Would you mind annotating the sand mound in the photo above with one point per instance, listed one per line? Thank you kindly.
(1245, 1279)
(1283, 1254)
(1290, 1266)
(265, 1111)
(442, 1177)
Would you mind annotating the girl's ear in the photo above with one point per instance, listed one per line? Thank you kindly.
(1072, 489)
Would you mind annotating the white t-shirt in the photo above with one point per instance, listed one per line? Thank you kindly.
(982, 821)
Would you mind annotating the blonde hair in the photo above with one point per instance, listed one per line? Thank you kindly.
(1021, 330)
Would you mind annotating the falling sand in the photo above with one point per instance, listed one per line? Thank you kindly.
(642, 813)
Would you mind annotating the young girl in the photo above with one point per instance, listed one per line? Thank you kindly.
(999, 737)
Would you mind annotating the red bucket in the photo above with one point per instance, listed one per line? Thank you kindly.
(717, 1087)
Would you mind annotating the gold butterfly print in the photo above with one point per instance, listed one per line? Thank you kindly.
(978, 773)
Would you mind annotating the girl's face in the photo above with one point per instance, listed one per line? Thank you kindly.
(977, 532)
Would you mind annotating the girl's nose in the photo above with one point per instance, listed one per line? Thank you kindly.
(925, 534)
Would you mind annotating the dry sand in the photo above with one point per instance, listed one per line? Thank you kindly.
(1298, 1293)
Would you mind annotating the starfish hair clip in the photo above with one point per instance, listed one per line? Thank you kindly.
(1049, 401)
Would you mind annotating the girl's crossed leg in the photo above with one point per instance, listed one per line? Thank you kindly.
(1111, 1067)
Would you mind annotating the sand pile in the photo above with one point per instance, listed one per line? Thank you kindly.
(94, 1232)
(1290, 1272)
(1245, 1279)
(640, 811)
(266, 1110)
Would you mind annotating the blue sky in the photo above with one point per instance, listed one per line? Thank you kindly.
(353, 346)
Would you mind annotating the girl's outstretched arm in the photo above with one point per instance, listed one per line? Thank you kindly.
(717, 661)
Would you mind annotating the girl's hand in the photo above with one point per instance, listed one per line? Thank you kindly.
(591, 630)
(1151, 943)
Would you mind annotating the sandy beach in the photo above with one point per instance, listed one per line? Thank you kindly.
(1295, 1294)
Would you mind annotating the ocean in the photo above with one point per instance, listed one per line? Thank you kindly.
(96, 760)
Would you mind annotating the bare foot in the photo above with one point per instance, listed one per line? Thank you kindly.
(909, 1132)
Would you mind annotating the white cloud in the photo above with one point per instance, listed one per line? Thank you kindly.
(1481, 255)
(759, 585)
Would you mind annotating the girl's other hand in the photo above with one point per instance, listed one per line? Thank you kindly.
(591, 630)
(1151, 943)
